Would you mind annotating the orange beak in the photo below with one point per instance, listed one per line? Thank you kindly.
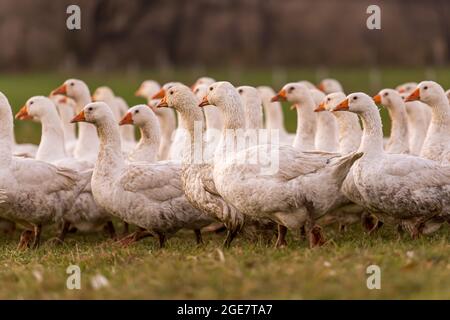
(377, 98)
(79, 117)
(127, 119)
(281, 96)
(163, 103)
(342, 106)
(415, 95)
(321, 87)
(23, 114)
(60, 90)
(160, 94)
(204, 102)
(320, 108)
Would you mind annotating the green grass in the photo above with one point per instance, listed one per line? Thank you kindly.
(410, 269)
(20, 87)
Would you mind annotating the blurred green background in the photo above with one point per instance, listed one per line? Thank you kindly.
(20, 86)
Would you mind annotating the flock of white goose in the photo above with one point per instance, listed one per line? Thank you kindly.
(331, 170)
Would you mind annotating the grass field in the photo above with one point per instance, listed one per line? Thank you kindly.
(409, 269)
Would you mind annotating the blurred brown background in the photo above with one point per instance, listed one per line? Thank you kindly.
(118, 34)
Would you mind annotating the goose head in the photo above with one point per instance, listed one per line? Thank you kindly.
(330, 101)
(202, 81)
(429, 92)
(389, 98)
(200, 90)
(249, 95)
(162, 92)
(73, 88)
(407, 87)
(139, 115)
(329, 86)
(36, 108)
(357, 102)
(147, 89)
(103, 93)
(180, 98)
(219, 93)
(317, 96)
(95, 113)
(293, 92)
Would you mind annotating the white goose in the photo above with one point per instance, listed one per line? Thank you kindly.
(198, 183)
(87, 144)
(84, 214)
(252, 104)
(305, 186)
(273, 112)
(350, 131)
(66, 111)
(301, 96)
(436, 145)
(145, 194)
(180, 135)
(147, 122)
(403, 189)
(399, 138)
(166, 117)
(212, 115)
(36, 193)
(119, 107)
(327, 136)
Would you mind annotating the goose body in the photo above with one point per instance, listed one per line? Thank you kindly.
(436, 145)
(290, 196)
(84, 212)
(197, 172)
(36, 193)
(400, 188)
(145, 194)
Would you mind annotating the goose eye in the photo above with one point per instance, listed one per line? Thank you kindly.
(386, 94)
(31, 102)
(425, 88)
(355, 97)
(171, 92)
(291, 89)
(328, 99)
(90, 108)
(137, 111)
(210, 88)
(72, 84)
(196, 90)
(240, 91)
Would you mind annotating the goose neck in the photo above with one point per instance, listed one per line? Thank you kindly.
(52, 145)
(110, 157)
(372, 139)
